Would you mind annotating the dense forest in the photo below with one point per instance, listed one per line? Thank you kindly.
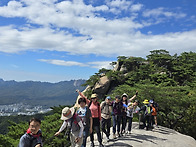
(168, 79)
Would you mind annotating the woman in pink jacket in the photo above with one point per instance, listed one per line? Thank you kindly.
(94, 106)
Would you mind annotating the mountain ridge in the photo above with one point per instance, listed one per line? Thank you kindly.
(42, 93)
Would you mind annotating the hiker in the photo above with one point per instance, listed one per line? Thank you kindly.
(33, 136)
(131, 109)
(125, 101)
(147, 109)
(117, 115)
(94, 106)
(73, 123)
(106, 110)
(85, 114)
(154, 114)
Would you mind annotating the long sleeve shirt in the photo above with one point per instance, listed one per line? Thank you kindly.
(74, 128)
(117, 108)
(131, 109)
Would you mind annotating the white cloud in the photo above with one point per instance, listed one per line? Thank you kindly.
(58, 21)
(97, 64)
(62, 62)
(122, 4)
(101, 64)
(136, 7)
(117, 6)
(163, 12)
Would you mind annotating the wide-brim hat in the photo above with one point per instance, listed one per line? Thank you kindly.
(94, 95)
(145, 101)
(124, 94)
(65, 111)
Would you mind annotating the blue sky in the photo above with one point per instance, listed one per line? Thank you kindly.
(58, 40)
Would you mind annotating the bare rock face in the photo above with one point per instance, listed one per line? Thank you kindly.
(158, 137)
(102, 86)
(117, 67)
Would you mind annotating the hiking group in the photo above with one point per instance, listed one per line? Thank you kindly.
(89, 116)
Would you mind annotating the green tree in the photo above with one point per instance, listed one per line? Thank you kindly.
(184, 69)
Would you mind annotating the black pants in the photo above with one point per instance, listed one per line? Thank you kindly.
(106, 123)
(129, 123)
(147, 119)
(124, 122)
(116, 122)
(96, 128)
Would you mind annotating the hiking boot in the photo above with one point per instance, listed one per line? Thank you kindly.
(92, 144)
(114, 136)
(108, 139)
(101, 145)
(118, 135)
(121, 134)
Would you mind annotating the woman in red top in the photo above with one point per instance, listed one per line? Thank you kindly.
(94, 106)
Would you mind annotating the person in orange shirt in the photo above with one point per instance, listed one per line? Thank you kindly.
(154, 113)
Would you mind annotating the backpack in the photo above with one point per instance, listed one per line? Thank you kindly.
(105, 108)
(156, 106)
(74, 120)
(68, 131)
(148, 110)
(104, 104)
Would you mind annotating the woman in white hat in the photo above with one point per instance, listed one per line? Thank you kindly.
(125, 100)
(74, 123)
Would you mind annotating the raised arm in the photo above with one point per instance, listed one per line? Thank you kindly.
(134, 96)
(82, 95)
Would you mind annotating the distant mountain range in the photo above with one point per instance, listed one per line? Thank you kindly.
(39, 93)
